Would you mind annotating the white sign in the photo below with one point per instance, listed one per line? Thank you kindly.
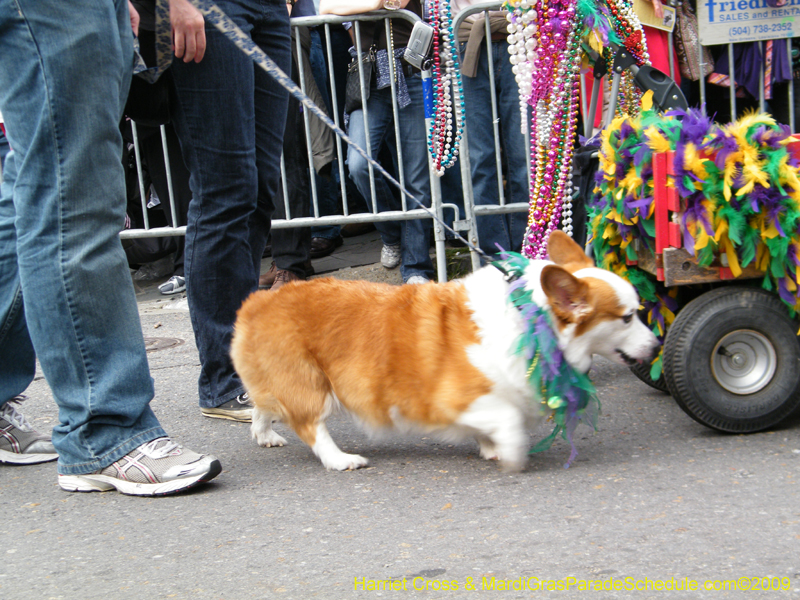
(730, 21)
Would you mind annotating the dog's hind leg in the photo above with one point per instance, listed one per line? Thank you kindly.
(329, 453)
(310, 427)
(261, 429)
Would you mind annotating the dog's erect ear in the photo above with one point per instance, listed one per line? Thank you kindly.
(568, 295)
(563, 250)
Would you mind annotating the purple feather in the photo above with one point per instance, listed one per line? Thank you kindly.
(785, 294)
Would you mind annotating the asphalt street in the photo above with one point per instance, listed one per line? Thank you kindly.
(653, 500)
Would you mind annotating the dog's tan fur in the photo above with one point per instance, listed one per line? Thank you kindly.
(399, 353)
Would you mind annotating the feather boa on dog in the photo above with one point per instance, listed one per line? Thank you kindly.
(739, 191)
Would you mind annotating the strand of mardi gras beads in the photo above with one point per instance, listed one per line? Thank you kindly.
(546, 51)
(447, 129)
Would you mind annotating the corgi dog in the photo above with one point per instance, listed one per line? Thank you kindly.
(436, 358)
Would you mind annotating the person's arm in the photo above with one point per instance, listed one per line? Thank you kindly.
(345, 7)
(134, 18)
(658, 9)
(188, 31)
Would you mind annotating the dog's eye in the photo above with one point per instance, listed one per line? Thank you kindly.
(627, 318)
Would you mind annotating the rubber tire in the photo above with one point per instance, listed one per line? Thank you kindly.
(691, 339)
(642, 371)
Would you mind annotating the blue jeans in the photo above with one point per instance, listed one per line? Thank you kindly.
(230, 118)
(414, 236)
(65, 288)
(4, 149)
(505, 230)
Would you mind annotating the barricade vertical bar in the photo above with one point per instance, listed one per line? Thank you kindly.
(284, 185)
(790, 85)
(436, 186)
(335, 117)
(495, 117)
(306, 118)
(168, 168)
(139, 174)
(702, 79)
(762, 78)
(732, 76)
(365, 115)
(469, 197)
(401, 172)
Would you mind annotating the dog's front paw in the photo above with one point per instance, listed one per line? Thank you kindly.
(345, 462)
(512, 460)
(488, 449)
(269, 439)
(513, 466)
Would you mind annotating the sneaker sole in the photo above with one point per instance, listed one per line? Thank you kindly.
(171, 292)
(15, 458)
(104, 483)
(240, 416)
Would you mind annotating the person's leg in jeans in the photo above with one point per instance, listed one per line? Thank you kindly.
(379, 109)
(327, 189)
(62, 207)
(493, 230)
(230, 117)
(416, 233)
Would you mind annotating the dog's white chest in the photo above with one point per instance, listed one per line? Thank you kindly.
(500, 326)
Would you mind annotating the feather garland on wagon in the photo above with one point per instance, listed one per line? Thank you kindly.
(739, 193)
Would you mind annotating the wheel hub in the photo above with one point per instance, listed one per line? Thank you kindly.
(744, 362)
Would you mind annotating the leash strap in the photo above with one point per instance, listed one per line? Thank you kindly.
(163, 46)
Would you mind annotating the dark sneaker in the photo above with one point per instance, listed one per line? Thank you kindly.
(156, 468)
(174, 285)
(20, 443)
(239, 409)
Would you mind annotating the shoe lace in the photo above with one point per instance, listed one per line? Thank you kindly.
(10, 413)
(156, 451)
(285, 276)
(243, 398)
(392, 250)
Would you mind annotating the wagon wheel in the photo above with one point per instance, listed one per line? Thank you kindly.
(732, 360)
(642, 371)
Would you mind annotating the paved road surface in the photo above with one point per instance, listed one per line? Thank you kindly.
(653, 495)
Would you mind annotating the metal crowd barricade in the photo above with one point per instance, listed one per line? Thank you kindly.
(373, 215)
(762, 101)
(471, 209)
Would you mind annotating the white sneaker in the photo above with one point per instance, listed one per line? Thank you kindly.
(391, 256)
(20, 443)
(418, 279)
(156, 468)
(174, 285)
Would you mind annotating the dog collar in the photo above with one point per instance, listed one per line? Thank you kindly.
(569, 395)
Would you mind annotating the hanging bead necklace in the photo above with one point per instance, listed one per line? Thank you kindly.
(626, 25)
(545, 48)
(444, 136)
